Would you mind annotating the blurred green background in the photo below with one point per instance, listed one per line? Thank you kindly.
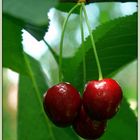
(101, 13)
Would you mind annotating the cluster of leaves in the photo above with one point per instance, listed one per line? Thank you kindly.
(116, 43)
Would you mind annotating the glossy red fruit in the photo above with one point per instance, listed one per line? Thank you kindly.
(62, 103)
(87, 128)
(101, 98)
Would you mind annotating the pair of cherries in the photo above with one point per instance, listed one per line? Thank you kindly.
(89, 115)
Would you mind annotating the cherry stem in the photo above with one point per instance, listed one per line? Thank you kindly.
(61, 41)
(82, 44)
(93, 43)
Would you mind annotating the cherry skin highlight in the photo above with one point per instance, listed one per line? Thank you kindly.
(62, 103)
(101, 99)
(87, 128)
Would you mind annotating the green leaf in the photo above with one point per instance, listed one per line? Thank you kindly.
(37, 31)
(12, 47)
(32, 12)
(32, 120)
(122, 126)
(116, 43)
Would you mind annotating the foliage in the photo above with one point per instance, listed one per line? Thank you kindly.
(116, 43)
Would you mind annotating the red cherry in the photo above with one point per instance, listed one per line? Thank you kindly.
(101, 98)
(62, 103)
(87, 128)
